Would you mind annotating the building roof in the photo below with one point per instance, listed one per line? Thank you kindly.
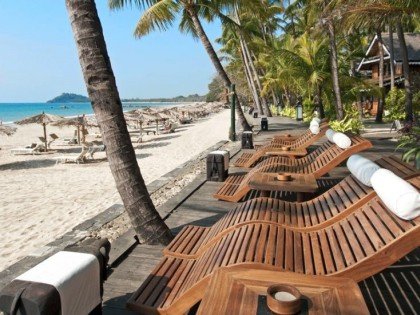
(413, 46)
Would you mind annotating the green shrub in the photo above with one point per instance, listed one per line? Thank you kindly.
(394, 105)
(410, 143)
(274, 110)
(288, 111)
(350, 123)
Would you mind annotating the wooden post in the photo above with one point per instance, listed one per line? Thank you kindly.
(232, 135)
(44, 125)
(78, 134)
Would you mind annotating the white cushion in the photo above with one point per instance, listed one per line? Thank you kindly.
(314, 129)
(341, 140)
(317, 120)
(397, 194)
(314, 123)
(330, 133)
(362, 168)
(76, 276)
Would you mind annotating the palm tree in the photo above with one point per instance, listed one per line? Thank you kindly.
(161, 15)
(106, 103)
(381, 100)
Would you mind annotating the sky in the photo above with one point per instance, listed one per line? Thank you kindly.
(38, 56)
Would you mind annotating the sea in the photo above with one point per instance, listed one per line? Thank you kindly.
(11, 112)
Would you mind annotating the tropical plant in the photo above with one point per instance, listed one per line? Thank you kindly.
(410, 143)
(106, 103)
(394, 105)
(350, 123)
(160, 15)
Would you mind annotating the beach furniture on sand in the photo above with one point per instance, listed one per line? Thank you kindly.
(248, 159)
(366, 240)
(79, 158)
(53, 137)
(169, 128)
(318, 163)
(34, 148)
(95, 148)
(335, 203)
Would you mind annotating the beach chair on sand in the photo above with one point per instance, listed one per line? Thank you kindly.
(318, 163)
(356, 246)
(34, 148)
(80, 158)
(53, 137)
(334, 204)
(95, 149)
(249, 159)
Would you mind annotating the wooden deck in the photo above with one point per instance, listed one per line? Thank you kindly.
(195, 205)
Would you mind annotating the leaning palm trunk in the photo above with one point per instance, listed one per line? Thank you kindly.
(216, 62)
(265, 107)
(106, 103)
(249, 75)
(407, 75)
(381, 99)
(334, 70)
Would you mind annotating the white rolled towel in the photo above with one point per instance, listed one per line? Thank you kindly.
(314, 129)
(314, 123)
(341, 140)
(330, 134)
(362, 168)
(397, 194)
(317, 120)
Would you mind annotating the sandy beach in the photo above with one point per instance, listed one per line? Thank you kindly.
(41, 200)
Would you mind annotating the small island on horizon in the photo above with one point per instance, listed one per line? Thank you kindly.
(77, 98)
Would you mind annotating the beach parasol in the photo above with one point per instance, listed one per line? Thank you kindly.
(140, 117)
(80, 122)
(41, 119)
(7, 130)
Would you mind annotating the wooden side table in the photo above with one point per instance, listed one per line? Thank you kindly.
(292, 154)
(242, 290)
(300, 183)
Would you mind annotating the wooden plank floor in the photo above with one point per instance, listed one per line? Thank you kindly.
(200, 208)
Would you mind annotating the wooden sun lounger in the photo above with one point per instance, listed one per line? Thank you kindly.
(248, 159)
(356, 246)
(318, 163)
(329, 207)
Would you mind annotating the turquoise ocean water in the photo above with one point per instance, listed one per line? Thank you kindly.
(10, 112)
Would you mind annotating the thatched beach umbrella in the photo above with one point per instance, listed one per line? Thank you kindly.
(80, 122)
(140, 117)
(7, 130)
(41, 119)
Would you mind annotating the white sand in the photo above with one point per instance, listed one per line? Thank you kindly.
(41, 201)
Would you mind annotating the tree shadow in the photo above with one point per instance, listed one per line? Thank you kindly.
(28, 164)
(143, 155)
(69, 150)
(151, 145)
(117, 305)
(166, 137)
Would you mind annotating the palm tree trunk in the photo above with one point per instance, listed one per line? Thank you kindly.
(265, 107)
(334, 70)
(407, 75)
(106, 103)
(318, 102)
(381, 100)
(216, 62)
(391, 56)
(251, 82)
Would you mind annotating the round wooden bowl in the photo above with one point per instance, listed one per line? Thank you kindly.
(283, 299)
(285, 148)
(284, 177)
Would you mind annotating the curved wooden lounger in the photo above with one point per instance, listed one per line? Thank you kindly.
(357, 246)
(308, 138)
(331, 206)
(319, 163)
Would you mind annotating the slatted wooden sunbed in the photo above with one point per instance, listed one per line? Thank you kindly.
(248, 159)
(357, 246)
(318, 163)
(336, 203)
